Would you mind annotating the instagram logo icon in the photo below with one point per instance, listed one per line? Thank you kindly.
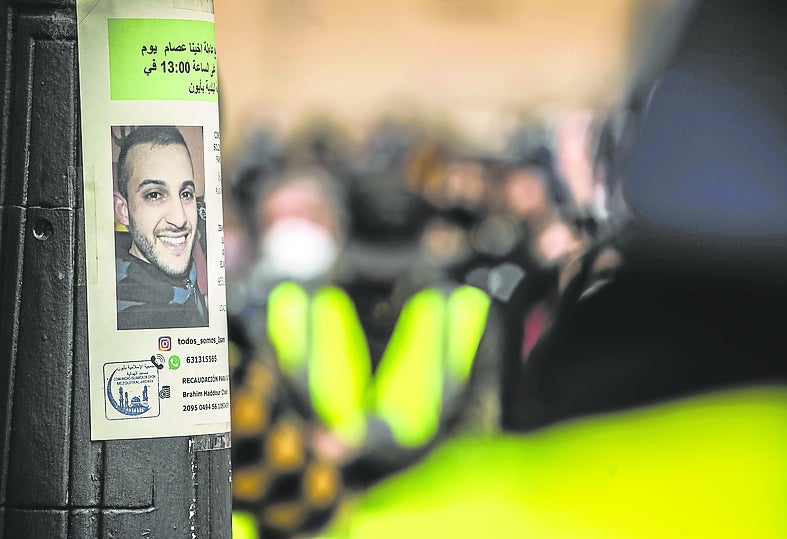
(165, 344)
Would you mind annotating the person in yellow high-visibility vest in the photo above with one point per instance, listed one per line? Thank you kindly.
(392, 412)
(370, 410)
(281, 487)
(381, 399)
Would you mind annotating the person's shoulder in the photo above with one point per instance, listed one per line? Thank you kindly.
(123, 258)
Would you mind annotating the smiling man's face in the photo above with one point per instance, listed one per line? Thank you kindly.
(161, 208)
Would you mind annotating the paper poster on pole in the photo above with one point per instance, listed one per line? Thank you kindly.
(157, 324)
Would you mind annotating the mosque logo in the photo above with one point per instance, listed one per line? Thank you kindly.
(131, 390)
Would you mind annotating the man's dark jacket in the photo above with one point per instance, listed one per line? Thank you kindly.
(148, 298)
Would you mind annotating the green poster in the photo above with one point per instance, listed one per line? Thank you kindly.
(162, 59)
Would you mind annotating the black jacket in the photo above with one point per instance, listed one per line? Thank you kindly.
(148, 298)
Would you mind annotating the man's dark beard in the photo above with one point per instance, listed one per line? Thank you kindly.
(149, 253)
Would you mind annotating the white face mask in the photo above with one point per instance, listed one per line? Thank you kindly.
(299, 249)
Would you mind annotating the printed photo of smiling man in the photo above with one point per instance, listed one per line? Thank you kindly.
(160, 260)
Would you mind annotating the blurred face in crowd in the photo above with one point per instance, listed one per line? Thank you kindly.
(465, 184)
(303, 198)
(556, 243)
(300, 230)
(525, 196)
(443, 242)
(160, 210)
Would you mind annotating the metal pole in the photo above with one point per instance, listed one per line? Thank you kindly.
(55, 482)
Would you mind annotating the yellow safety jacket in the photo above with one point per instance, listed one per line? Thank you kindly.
(244, 526)
(711, 466)
(319, 340)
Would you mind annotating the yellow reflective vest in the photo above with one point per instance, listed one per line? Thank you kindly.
(244, 526)
(709, 466)
(318, 339)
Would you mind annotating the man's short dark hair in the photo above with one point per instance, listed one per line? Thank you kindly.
(155, 135)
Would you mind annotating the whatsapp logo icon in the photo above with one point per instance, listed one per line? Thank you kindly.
(174, 362)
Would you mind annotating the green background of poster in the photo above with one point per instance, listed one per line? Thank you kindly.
(178, 74)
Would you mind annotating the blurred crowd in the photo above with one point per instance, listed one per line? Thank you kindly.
(390, 290)
(381, 223)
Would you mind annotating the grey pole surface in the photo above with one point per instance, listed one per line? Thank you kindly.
(55, 482)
